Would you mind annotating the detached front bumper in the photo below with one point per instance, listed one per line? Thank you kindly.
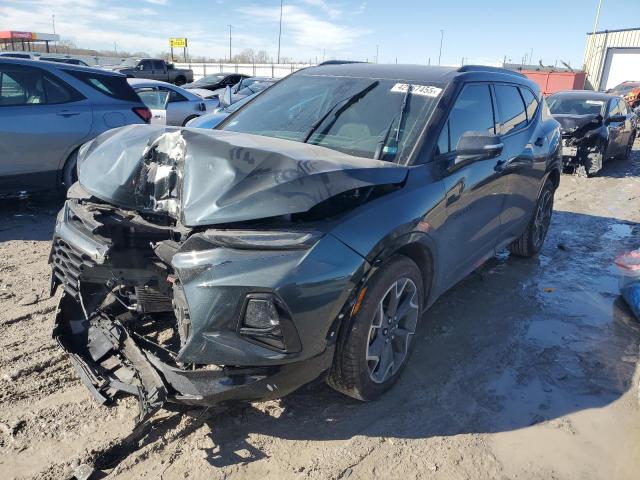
(110, 359)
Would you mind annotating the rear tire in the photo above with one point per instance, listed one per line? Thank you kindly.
(532, 239)
(627, 152)
(188, 119)
(377, 341)
(180, 81)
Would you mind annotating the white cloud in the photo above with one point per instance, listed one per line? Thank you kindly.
(332, 11)
(306, 30)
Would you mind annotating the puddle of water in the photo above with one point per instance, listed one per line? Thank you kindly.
(618, 231)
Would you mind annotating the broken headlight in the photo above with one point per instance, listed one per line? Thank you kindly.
(263, 239)
(266, 320)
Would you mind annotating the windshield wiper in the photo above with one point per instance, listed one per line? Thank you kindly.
(385, 136)
(349, 101)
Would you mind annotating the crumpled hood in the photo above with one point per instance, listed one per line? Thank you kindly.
(578, 124)
(206, 177)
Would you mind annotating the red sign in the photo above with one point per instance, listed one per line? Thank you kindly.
(19, 35)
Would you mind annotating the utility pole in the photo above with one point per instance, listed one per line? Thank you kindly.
(53, 22)
(441, 39)
(230, 42)
(280, 31)
(593, 34)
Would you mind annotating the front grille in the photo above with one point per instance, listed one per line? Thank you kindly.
(68, 263)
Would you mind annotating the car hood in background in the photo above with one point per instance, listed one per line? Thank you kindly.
(578, 124)
(210, 120)
(203, 92)
(207, 177)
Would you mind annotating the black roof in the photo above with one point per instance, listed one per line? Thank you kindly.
(586, 95)
(415, 73)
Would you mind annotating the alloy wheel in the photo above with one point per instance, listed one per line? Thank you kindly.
(543, 218)
(392, 327)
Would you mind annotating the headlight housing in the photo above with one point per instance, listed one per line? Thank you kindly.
(263, 239)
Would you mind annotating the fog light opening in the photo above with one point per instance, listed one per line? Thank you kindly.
(261, 313)
(266, 320)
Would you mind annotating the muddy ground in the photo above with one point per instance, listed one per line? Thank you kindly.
(527, 369)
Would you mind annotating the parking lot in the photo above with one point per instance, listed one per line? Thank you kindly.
(526, 369)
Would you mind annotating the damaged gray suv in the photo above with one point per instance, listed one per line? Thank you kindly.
(305, 236)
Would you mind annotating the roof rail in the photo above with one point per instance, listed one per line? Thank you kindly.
(485, 68)
(338, 62)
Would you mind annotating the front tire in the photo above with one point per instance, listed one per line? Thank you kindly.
(532, 239)
(70, 171)
(377, 343)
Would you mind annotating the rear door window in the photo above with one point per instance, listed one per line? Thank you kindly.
(158, 65)
(20, 85)
(171, 95)
(110, 85)
(530, 102)
(152, 98)
(473, 111)
(511, 107)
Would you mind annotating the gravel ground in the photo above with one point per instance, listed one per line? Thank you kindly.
(527, 369)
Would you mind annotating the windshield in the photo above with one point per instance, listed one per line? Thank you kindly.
(574, 106)
(209, 79)
(351, 115)
(625, 87)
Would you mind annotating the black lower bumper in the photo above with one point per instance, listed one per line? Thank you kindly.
(110, 358)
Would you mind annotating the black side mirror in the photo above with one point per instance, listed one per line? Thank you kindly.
(616, 118)
(473, 146)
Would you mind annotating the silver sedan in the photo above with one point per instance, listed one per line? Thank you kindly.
(169, 104)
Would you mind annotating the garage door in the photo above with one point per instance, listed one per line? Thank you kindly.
(622, 64)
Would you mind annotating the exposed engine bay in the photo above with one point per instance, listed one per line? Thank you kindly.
(580, 137)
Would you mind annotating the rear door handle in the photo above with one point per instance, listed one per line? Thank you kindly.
(539, 142)
(67, 113)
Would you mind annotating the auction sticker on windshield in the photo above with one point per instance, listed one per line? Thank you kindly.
(424, 90)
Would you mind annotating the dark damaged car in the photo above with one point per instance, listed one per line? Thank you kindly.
(304, 237)
(595, 127)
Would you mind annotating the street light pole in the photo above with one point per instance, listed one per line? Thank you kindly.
(53, 22)
(377, 52)
(230, 42)
(441, 39)
(280, 31)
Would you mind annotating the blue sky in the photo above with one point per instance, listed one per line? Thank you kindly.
(409, 30)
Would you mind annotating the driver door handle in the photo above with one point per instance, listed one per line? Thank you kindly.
(67, 113)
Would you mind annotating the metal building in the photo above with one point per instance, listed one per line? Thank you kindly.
(612, 57)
